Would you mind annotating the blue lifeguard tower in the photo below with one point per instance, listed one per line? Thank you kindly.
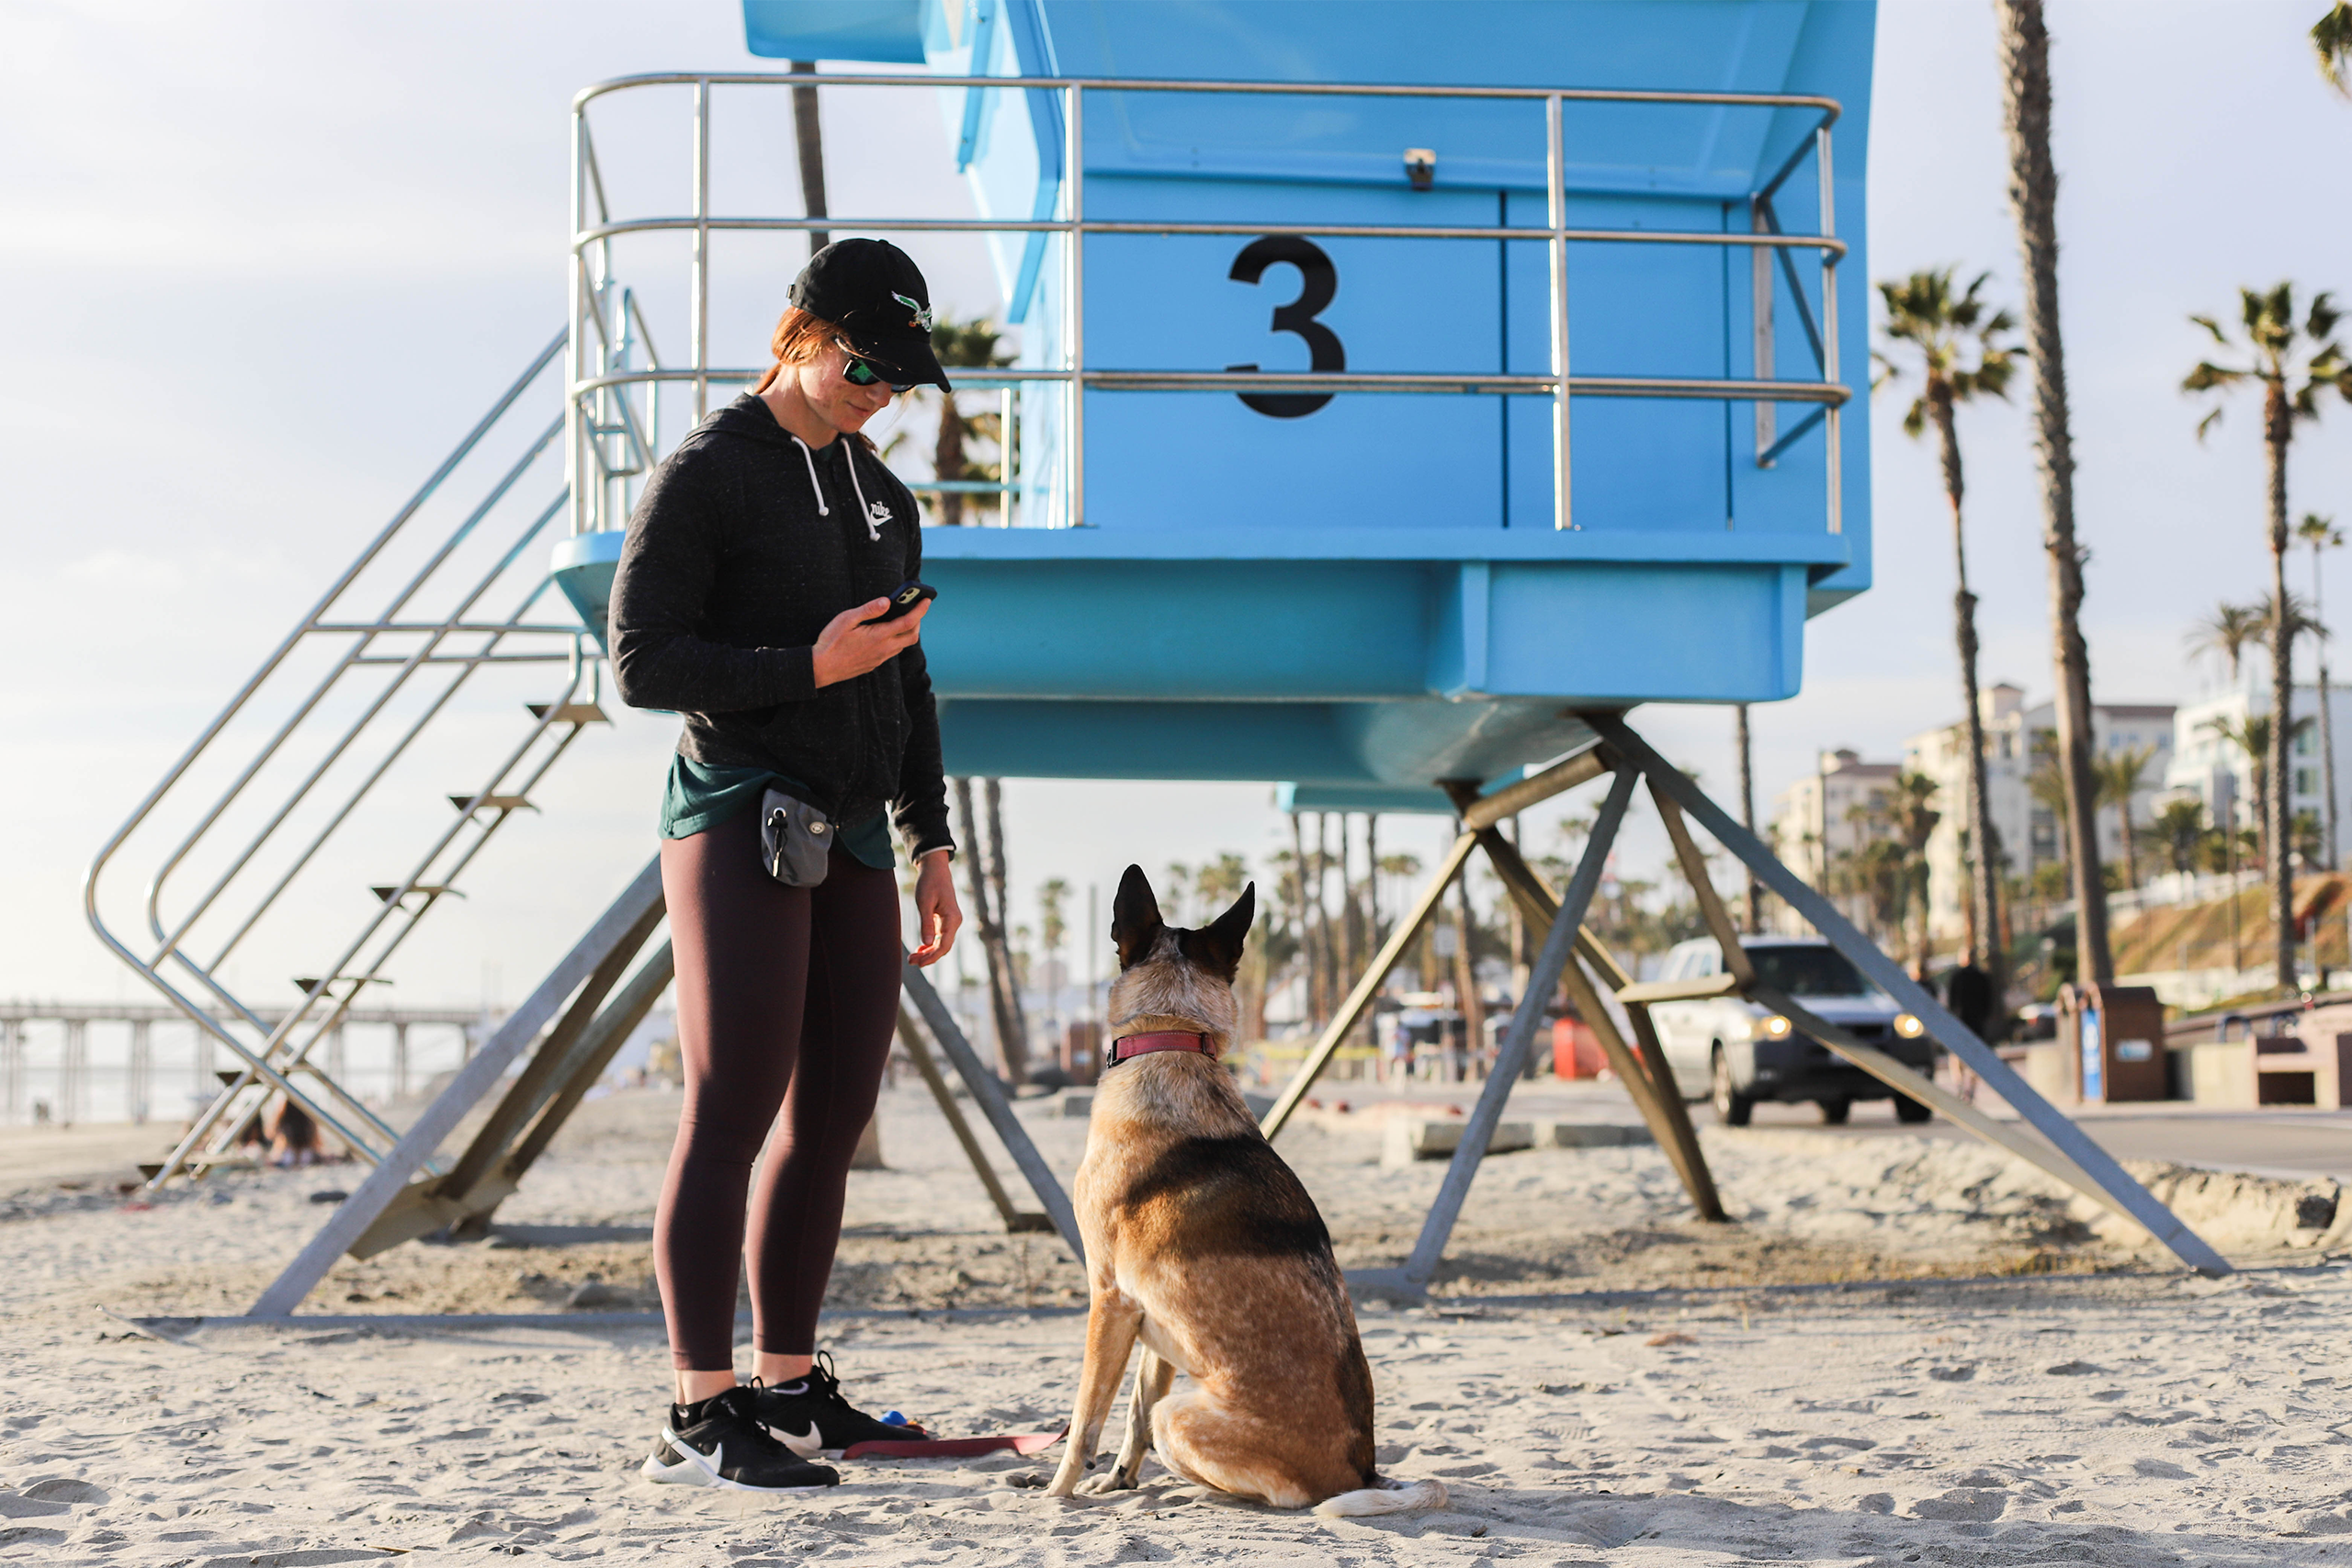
(1404, 392)
(1392, 377)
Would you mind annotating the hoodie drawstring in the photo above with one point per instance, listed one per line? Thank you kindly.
(849, 454)
(811, 461)
(873, 528)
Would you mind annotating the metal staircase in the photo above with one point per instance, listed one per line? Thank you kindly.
(306, 797)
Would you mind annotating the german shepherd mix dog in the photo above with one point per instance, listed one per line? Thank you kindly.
(1202, 1243)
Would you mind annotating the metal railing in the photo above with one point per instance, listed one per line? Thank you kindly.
(591, 410)
(339, 757)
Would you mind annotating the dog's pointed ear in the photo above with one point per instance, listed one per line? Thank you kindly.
(1136, 924)
(1217, 947)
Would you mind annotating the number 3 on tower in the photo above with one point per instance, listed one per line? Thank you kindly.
(1320, 280)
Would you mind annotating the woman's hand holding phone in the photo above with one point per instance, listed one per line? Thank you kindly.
(855, 642)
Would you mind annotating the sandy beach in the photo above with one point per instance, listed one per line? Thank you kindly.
(1905, 1351)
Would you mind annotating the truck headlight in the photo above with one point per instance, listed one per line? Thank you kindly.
(1773, 1028)
(1908, 1027)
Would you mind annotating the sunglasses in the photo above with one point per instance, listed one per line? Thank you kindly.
(858, 372)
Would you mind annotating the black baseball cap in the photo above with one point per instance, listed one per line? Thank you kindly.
(873, 291)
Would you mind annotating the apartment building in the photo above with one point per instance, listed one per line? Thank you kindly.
(1820, 820)
(2207, 763)
(2026, 826)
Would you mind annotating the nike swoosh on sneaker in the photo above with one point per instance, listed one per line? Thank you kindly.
(693, 1468)
(808, 1445)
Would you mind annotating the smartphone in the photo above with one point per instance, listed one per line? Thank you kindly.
(905, 597)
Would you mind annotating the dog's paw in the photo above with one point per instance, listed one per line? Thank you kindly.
(1103, 1485)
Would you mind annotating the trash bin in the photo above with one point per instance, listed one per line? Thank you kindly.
(2114, 1040)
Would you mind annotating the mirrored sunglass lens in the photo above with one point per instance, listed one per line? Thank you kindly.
(861, 373)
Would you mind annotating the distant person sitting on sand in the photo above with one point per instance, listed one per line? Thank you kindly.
(751, 598)
(293, 1135)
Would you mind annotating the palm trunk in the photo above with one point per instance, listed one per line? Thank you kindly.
(987, 920)
(947, 460)
(1754, 907)
(1985, 892)
(1307, 937)
(1350, 916)
(2034, 196)
(810, 142)
(1329, 955)
(2279, 427)
(2327, 725)
(1465, 977)
(983, 875)
(1372, 880)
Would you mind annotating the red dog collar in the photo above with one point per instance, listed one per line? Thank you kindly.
(1143, 1045)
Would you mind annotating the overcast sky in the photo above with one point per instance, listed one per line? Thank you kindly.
(265, 263)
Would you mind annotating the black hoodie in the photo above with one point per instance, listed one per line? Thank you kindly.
(743, 546)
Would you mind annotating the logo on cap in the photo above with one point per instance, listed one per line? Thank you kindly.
(923, 312)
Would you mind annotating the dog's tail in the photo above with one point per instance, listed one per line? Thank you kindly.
(1388, 1496)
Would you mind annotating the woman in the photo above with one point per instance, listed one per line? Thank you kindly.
(747, 599)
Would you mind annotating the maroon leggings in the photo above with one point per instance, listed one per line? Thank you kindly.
(786, 998)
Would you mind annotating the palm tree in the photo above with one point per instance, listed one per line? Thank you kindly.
(2332, 41)
(1957, 342)
(2322, 533)
(1910, 806)
(2255, 735)
(2227, 631)
(972, 344)
(2119, 781)
(984, 884)
(1052, 929)
(2293, 364)
(2033, 197)
(2180, 828)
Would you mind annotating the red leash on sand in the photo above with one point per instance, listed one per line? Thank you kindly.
(954, 1448)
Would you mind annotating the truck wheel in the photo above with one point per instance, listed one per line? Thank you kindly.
(1834, 1110)
(1732, 1108)
(1909, 1110)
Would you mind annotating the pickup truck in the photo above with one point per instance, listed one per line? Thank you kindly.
(1734, 1053)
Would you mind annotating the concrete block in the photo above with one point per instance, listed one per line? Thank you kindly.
(1410, 1138)
(1075, 1104)
(1587, 1135)
(2221, 1072)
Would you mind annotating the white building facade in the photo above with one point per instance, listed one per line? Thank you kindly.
(2216, 770)
(1819, 820)
(2030, 831)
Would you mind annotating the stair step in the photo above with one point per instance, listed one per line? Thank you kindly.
(570, 713)
(309, 984)
(491, 803)
(385, 891)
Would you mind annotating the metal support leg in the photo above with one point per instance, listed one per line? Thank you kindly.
(1368, 985)
(989, 1094)
(911, 1036)
(582, 1066)
(1644, 1074)
(1925, 1091)
(351, 1218)
(1512, 1056)
(1654, 1095)
(1889, 976)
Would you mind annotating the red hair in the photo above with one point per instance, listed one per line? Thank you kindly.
(800, 337)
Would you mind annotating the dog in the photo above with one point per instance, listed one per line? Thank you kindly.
(1201, 1242)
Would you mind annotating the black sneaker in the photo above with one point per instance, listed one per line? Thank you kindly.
(719, 1443)
(812, 1417)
